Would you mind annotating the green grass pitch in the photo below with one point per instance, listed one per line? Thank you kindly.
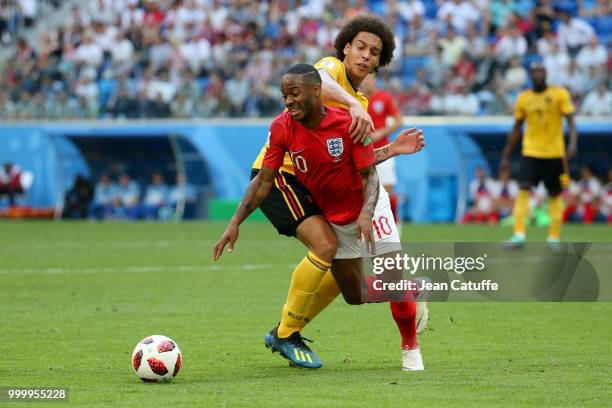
(77, 297)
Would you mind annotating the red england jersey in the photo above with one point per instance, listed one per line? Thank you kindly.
(326, 161)
(380, 106)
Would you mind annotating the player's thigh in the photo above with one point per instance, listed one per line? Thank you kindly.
(316, 233)
(288, 204)
(348, 274)
(384, 228)
(528, 174)
(551, 170)
(386, 173)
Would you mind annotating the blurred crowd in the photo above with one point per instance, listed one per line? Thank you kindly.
(126, 199)
(19, 15)
(222, 58)
(586, 200)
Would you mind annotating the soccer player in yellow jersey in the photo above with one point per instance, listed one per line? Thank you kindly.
(363, 44)
(544, 157)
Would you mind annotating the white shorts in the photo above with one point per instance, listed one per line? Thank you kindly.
(384, 231)
(386, 172)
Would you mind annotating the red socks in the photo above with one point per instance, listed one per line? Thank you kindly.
(404, 314)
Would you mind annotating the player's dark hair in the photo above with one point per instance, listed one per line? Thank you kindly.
(369, 24)
(307, 71)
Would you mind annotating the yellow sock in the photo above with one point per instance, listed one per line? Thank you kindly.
(327, 291)
(305, 280)
(521, 212)
(555, 211)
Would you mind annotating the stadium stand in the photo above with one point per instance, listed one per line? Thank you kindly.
(218, 58)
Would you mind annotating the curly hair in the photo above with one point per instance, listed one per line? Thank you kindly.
(369, 24)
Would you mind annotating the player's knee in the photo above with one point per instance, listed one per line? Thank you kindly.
(352, 298)
(326, 248)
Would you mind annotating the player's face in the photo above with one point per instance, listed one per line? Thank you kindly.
(362, 55)
(299, 96)
(538, 76)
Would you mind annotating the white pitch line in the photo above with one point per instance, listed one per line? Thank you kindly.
(138, 269)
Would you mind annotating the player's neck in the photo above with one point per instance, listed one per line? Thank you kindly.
(540, 89)
(355, 83)
(314, 120)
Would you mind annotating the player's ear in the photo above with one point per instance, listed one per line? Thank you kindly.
(316, 89)
(347, 47)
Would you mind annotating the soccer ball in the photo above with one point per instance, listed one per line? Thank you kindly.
(156, 359)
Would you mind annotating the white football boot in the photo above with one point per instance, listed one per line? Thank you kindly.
(412, 360)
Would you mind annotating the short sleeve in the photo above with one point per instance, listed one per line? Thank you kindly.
(363, 155)
(276, 146)
(519, 108)
(565, 102)
(332, 65)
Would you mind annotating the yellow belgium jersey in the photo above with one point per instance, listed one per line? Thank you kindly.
(336, 69)
(543, 114)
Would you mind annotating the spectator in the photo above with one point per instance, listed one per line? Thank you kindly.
(77, 199)
(575, 80)
(593, 55)
(407, 9)
(586, 193)
(462, 103)
(157, 108)
(237, 89)
(122, 105)
(573, 33)
(546, 43)
(556, 64)
(88, 52)
(453, 45)
(598, 8)
(126, 203)
(10, 182)
(476, 46)
(156, 196)
(504, 193)
(501, 12)
(183, 195)
(511, 44)
(121, 50)
(598, 103)
(605, 201)
(481, 191)
(181, 107)
(29, 10)
(516, 77)
(543, 16)
(458, 13)
(105, 194)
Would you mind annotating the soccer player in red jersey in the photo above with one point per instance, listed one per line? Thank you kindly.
(363, 45)
(387, 118)
(330, 166)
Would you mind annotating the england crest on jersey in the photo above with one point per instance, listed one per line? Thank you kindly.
(335, 147)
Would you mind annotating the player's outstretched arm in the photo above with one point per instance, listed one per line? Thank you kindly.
(409, 141)
(513, 138)
(370, 185)
(361, 123)
(255, 194)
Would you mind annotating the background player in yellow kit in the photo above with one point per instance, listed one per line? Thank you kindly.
(543, 154)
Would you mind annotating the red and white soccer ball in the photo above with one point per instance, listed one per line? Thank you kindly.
(156, 359)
